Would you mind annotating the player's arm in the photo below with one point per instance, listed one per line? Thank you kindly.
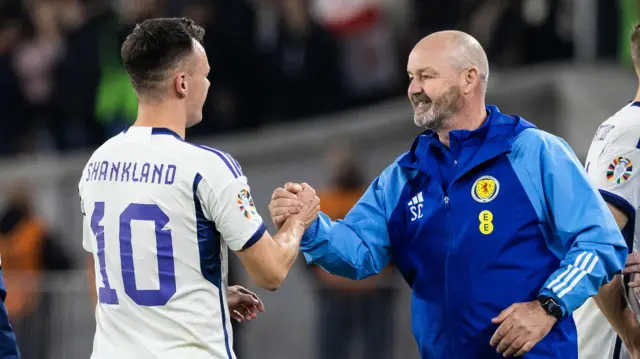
(270, 259)
(612, 300)
(356, 247)
(88, 244)
(267, 259)
(621, 195)
(91, 277)
(584, 234)
(8, 344)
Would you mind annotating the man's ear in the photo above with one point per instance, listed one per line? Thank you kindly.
(470, 80)
(181, 85)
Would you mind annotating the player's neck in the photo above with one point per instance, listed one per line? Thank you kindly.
(637, 98)
(162, 115)
(468, 118)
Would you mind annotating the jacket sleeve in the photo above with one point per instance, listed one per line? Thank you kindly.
(8, 345)
(584, 234)
(356, 247)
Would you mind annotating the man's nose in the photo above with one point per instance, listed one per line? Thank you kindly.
(414, 88)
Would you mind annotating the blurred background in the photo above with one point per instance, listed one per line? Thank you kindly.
(301, 90)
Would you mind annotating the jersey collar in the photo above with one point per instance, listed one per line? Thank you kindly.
(158, 131)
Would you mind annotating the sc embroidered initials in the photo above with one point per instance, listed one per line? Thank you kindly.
(486, 222)
(415, 206)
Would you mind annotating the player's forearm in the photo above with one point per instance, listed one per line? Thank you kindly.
(613, 304)
(611, 298)
(269, 260)
(288, 241)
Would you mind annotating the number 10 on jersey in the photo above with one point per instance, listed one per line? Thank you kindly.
(164, 245)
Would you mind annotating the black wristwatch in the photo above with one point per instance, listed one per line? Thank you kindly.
(550, 306)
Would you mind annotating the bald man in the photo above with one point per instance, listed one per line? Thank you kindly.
(492, 223)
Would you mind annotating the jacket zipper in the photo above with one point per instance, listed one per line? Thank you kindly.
(446, 277)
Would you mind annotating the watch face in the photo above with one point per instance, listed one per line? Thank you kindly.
(550, 306)
(553, 308)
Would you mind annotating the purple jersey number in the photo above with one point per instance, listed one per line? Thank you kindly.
(164, 246)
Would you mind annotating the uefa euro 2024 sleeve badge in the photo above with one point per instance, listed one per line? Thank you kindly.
(619, 170)
(485, 189)
(245, 202)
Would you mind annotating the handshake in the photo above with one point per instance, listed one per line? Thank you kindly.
(295, 202)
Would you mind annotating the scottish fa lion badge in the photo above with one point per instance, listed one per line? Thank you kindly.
(485, 189)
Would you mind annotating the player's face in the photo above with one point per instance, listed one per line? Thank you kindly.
(199, 86)
(434, 90)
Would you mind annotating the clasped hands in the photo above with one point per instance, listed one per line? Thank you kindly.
(294, 200)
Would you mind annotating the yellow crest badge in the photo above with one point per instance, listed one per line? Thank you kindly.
(485, 189)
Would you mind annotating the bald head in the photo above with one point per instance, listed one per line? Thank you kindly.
(461, 49)
(448, 72)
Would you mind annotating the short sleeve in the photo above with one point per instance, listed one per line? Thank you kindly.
(234, 214)
(615, 172)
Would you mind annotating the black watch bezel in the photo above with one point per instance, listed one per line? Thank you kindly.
(550, 306)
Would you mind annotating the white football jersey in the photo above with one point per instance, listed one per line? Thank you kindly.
(159, 215)
(612, 163)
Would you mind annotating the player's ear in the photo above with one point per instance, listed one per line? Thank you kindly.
(470, 78)
(181, 85)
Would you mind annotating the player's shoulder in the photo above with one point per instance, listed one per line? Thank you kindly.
(212, 163)
(216, 167)
(219, 160)
(621, 129)
(626, 116)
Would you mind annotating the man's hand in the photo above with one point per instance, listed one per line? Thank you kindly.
(244, 305)
(632, 343)
(310, 206)
(632, 267)
(522, 326)
(288, 201)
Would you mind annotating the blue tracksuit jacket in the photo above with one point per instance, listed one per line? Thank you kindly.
(8, 346)
(516, 219)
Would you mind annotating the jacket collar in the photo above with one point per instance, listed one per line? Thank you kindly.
(496, 135)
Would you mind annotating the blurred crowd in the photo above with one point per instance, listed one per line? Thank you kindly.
(63, 86)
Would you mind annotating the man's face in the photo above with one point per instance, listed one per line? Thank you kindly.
(198, 86)
(434, 90)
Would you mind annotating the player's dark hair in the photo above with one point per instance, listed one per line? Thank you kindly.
(635, 47)
(155, 46)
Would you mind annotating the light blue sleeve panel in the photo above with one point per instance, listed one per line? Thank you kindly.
(574, 218)
(358, 246)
